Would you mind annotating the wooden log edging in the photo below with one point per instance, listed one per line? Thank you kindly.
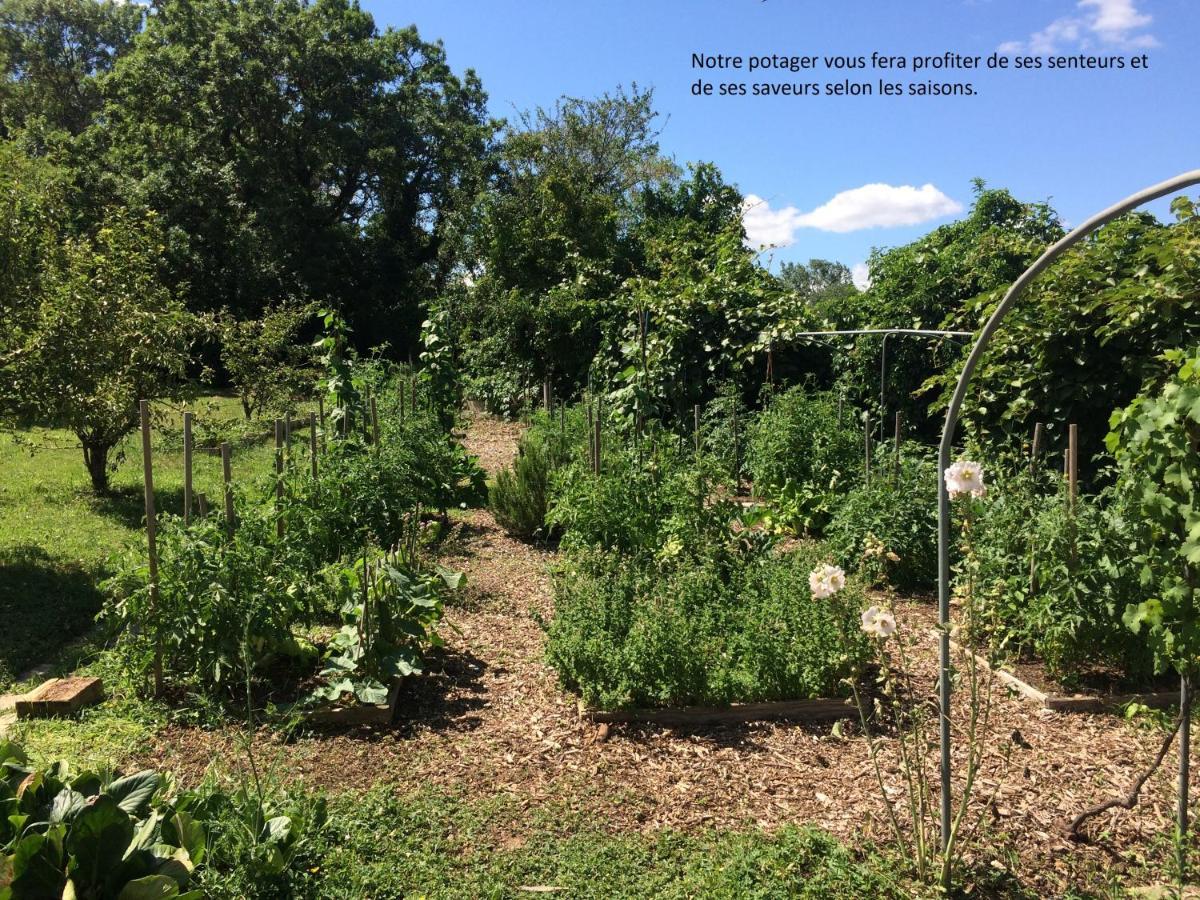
(1071, 703)
(817, 710)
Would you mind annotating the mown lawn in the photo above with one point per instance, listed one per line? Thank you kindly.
(57, 537)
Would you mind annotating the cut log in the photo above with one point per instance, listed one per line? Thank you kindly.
(60, 697)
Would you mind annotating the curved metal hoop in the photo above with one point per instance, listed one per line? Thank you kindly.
(1162, 189)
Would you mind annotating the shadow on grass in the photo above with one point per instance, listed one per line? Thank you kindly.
(47, 603)
(127, 505)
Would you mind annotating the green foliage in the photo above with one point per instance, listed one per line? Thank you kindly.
(1089, 332)
(1071, 616)
(520, 498)
(666, 597)
(106, 333)
(1156, 440)
(798, 454)
(32, 210)
(296, 148)
(264, 359)
(734, 624)
(390, 612)
(91, 835)
(888, 530)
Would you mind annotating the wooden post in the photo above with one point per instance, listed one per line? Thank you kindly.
(227, 478)
(696, 425)
(279, 477)
(151, 539)
(899, 429)
(287, 440)
(1035, 449)
(202, 502)
(1072, 463)
(321, 417)
(374, 422)
(187, 468)
(546, 393)
(312, 443)
(867, 449)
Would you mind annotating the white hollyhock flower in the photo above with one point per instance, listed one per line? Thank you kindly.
(878, 623)
(965, 477)
(825, 581)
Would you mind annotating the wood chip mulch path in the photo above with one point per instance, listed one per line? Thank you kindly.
(491, 720)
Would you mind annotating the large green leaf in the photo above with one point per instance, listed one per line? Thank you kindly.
(151, 887)
(97, 841)
(184, 831)
(37, 867)
(133, 792)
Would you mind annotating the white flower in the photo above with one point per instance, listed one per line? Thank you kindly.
(965, 477)
(878, 623)
(825, 581)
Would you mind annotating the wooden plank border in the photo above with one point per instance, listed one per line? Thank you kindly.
(1071, 703)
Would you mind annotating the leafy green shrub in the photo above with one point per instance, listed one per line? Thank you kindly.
(520, 497)
(888, 530)
(91, 835)
(1072, 618)
(737, 626)
(797, 451)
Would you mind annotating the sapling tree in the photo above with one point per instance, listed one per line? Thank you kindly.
(105, 333)
(264, 357)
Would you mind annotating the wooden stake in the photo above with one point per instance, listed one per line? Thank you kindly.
(1035, 449)
(899, 429)
(867, 449)
(374, 422)
(151, 540)
(312, 443)
(227, 478)
(597, 444)
(187, 468)
(321, 418)
(202, 502)
(287, 440)
(279, 477)
(1072, 463)
(696, 425)
(546, 393)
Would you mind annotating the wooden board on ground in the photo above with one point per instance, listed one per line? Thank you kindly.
(359, 714)
(1074, 703)
(819, 710)
(59, 697)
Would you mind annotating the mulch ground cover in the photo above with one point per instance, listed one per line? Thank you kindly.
(491, 720)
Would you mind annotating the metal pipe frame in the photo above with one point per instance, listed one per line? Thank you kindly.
(1131, 202)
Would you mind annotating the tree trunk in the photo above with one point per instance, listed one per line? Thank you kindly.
(95, 458)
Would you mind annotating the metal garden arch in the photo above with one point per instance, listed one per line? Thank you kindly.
(1162, 189)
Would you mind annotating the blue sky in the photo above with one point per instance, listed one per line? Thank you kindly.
(1080, 140)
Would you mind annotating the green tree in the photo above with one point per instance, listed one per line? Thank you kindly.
(105, 333)
(52, 53)
(266, 360)
(294, 148)
(32, 209)
(553, 237)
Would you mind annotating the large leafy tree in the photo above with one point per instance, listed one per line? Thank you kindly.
(294, 148)
(552, 244)
(1090, 331)
(51, 54)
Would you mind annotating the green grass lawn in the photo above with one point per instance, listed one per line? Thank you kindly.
(57, 536)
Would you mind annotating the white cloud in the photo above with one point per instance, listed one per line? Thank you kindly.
(869, 206)
(880, 206)
(860, 275)
(1113, 23)
(766, 227)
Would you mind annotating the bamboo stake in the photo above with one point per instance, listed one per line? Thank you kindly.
(151, 539)
(696, 425)
(374, 423)
(321, 418)
(279, 477)
(597, 443)
(867, 449)
(187, 468)
(227, 478)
